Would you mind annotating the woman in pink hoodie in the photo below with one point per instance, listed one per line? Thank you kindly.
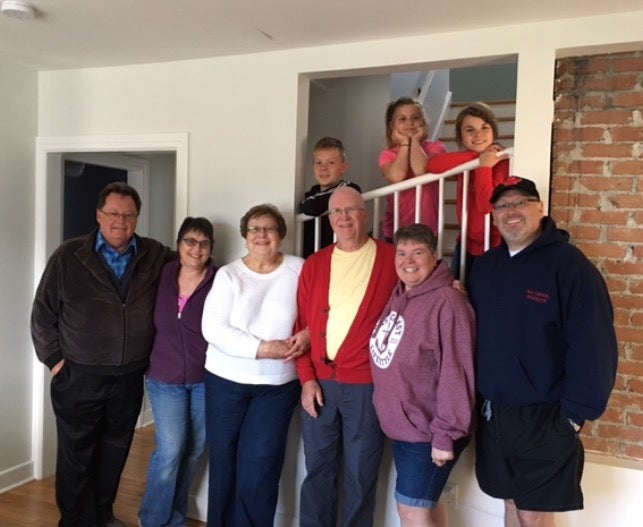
(422, 363)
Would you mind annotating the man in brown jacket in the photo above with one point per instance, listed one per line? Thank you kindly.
(92, 325)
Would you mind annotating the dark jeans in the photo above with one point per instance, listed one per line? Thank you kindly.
(345, 435)
(95, 417)
(246, 430)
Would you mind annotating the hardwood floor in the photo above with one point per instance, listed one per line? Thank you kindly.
(34, 505)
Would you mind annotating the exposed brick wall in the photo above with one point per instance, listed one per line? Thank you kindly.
(597, 195)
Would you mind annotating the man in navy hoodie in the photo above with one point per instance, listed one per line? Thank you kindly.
(546, 359)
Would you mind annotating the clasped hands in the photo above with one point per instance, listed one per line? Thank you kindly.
(287, 349)
(401, 138)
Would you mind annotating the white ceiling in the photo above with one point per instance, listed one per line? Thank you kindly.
(85, 33)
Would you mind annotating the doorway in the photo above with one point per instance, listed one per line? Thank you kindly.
(165, 201)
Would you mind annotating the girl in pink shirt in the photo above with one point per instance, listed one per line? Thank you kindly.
(406, 157)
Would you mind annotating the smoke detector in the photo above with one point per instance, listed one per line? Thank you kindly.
(17, 9)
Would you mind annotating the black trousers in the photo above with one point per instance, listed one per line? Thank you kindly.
(95, 417)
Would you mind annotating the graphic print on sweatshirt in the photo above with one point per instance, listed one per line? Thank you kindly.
(385, 339)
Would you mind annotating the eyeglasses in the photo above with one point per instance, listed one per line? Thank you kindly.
(338, 211)
(203, 244)
(128, 216)
(504, 207)
(263, 230)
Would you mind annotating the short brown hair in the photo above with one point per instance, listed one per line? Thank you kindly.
(265, 209)
(121, 188)
(330, 143)
(476, 109)
(417, 232)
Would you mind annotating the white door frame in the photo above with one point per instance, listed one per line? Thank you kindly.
(43, 444)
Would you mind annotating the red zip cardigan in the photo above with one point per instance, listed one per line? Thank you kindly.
(351, 365)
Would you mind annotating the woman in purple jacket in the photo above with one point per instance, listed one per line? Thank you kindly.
(175, 378)
(422, 364)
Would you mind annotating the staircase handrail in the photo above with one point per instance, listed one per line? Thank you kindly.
(417, 182)
(446, 104)
(426, 86)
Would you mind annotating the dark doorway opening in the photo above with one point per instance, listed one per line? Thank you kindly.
(82, 183)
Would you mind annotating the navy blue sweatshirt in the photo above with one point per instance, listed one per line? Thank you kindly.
(545, 327)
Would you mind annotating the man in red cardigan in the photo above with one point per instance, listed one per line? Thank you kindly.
(342, 291)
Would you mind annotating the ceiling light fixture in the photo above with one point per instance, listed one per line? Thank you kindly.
(17, 9)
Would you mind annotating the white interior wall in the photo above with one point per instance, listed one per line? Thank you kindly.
(247, 147)
(18, 95)
(161, 215)
(351, 109)
(241, 147)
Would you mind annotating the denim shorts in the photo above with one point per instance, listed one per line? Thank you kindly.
(419, 481)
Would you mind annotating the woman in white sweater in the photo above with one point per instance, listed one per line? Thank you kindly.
(251, 385)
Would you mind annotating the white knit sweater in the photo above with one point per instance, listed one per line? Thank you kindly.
(243, 308)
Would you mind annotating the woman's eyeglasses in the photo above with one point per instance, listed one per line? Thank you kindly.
(263, 230)
(191, 242)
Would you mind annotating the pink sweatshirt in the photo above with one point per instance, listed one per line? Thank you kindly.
(422, 363)
(430, 194)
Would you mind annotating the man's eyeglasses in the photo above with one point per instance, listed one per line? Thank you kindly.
(191, 242)
(264, 230)
(338, 211)
(509, 205)
(128, 216)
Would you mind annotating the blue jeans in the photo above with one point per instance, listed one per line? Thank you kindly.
(179, 416)
(419, 481)
(247, 427)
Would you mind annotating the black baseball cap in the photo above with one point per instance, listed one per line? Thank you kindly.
(526, 186)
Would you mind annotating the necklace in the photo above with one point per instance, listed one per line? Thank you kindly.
(188, 281)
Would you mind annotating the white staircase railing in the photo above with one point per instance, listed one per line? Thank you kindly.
(376, 196)
(443, 98)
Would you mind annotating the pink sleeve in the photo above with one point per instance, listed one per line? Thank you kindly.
(387, 156)
(432, 148)
(455, 393)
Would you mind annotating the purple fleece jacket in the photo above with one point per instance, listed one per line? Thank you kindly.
(178, 355)
(422, 363)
